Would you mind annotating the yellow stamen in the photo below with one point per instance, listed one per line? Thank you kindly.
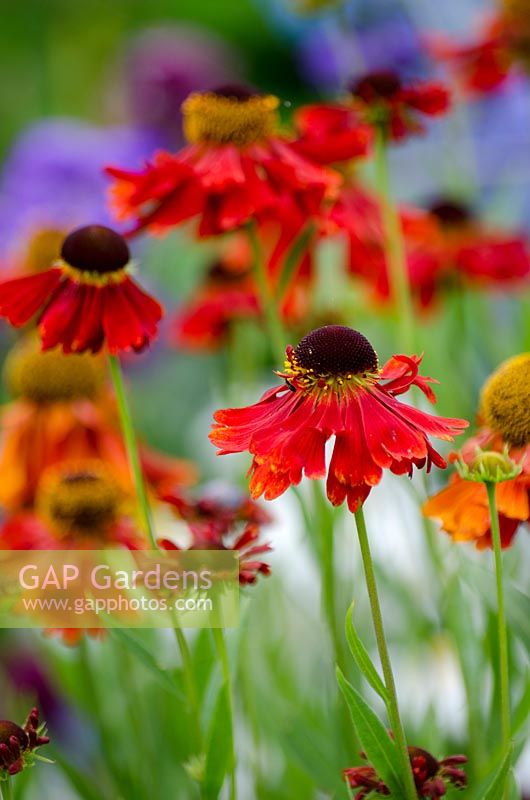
(92, 278)
(505, 400)
(307, 380)
(52, 377)
(212, 118)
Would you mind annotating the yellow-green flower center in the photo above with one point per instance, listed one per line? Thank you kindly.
(43, 249)
(79, 498)
(52, 377)
(229, 117)
(505, 401)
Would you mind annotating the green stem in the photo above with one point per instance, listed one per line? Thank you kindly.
(398, 273)
(268, 303)
(132, 448)
(292, 260)
(501, 622)
(377, 618)
(191, 685)
(9, 793)
(220, 643)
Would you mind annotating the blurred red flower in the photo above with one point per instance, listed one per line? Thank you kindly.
(331, 133)
(224, 521)
(480, 66)
(384, 102)
(237, 168)
(86, 299)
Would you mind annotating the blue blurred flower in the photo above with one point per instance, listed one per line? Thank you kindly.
(161, 66)
(330, 54)
(53, 179)
(342, 41)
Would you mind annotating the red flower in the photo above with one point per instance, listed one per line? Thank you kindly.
(334, 387)
(481, 66)
(227, 294)
(383, 101)
(358, 214)
(236, 169)
(430, 776)
(213, 522)
(86, 299)
(478, 256)
(17, 745)
(331, 133)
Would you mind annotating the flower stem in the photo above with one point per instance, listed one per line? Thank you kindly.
(395, 248)
(132, 448)
(8, 786)
(191, 686)
(268, 303)
(377, 618)
(501, 622)
(220, 643)
(292, 259)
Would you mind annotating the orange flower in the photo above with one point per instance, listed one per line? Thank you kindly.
(62, 412)
(79, 505)
(462, 507)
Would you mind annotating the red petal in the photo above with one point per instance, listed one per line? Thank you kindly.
(22, 298)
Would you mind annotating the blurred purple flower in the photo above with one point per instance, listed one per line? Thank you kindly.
(500, 126)
(53, 178)
(28, 676)
(161, 66)
(331, 54)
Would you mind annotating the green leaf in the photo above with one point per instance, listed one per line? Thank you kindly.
(82, 783)
(522, 710)
(494, 787)
(142, 654)
(362, 659)
(219, 748)
(380, 750)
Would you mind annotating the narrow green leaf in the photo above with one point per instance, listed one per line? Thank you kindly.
(493, 788)
(380, 750)
(219, 747)
(522, 711)
(82, 783)
(142, 654)
(362, 659)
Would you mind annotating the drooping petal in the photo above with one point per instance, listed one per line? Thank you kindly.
(22, 298)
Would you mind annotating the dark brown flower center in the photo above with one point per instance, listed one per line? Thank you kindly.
(236, 91)
(376, 86)
(9, 729)
(227, 274)
(336, 350)
(95, 248)
(451, 213)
